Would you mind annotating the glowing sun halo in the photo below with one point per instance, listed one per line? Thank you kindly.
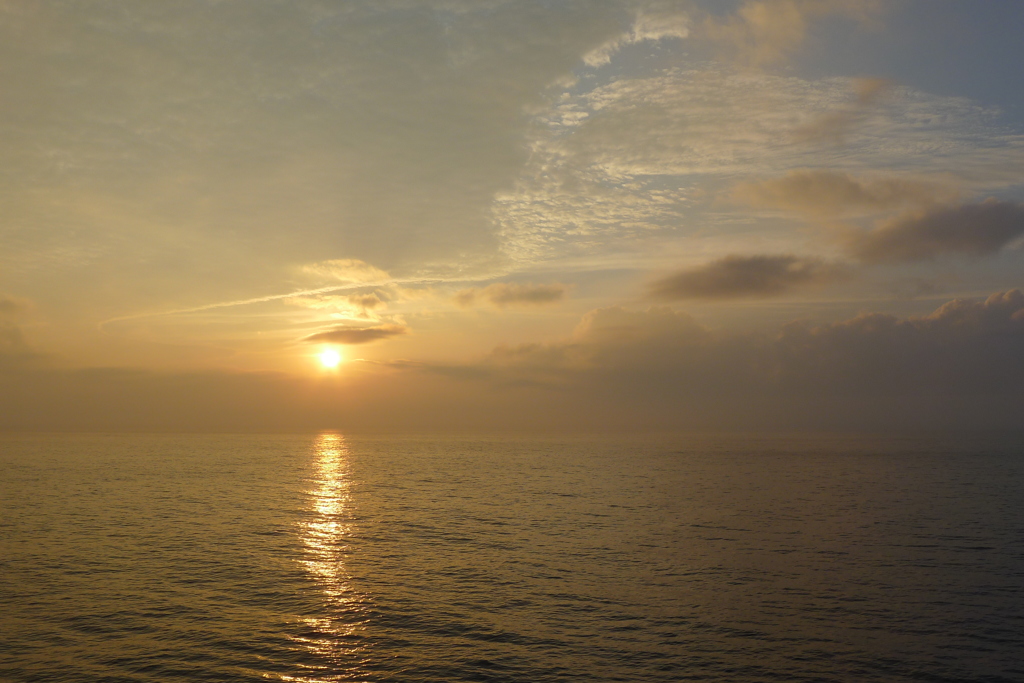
(329, 358)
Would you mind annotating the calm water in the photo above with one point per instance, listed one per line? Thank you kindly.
(325, 558)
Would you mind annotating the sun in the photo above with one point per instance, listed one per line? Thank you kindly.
(329, 358)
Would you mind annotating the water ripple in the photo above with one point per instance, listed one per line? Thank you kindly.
(327, 558)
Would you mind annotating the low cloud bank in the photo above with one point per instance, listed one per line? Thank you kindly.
(960, 367)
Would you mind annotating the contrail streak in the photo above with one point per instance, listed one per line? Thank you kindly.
(276, 297)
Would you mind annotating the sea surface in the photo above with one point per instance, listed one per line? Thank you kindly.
(331, 558)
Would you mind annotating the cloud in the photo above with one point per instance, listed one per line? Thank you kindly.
(649, 24)
(959, 367)
(12, 342)
(373, 130)
(764, 32)
(972, 229)
(348, 270)
(11, 306)
(633, 161)
(761, 32)
(502, 294)
(829, 193)
(355, 305)
(606, 339)
(968, 347)
(357, 335)
(13, 347)
(746, 276)
(835, 125)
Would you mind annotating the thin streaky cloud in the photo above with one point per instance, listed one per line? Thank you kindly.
(279, 297)
(357, 335)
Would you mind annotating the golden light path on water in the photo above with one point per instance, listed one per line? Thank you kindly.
(324, 537)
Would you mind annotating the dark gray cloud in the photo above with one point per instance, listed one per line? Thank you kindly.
(357, 335)
(828, 193)
(959, 367)
(972, 229)
(966, 347)
(746, 276)
(503, 294)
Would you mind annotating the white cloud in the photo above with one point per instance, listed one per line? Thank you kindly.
(651, 24)
(638, 156)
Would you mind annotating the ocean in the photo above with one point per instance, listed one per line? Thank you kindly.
(335, 558)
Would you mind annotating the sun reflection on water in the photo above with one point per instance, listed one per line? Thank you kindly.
(324, 536)
(333, 636)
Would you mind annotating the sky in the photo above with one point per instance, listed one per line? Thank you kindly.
(505, 215)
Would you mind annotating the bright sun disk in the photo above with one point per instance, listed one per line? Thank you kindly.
(330, 358)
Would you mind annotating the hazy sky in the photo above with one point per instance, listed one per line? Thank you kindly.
(770, 214)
